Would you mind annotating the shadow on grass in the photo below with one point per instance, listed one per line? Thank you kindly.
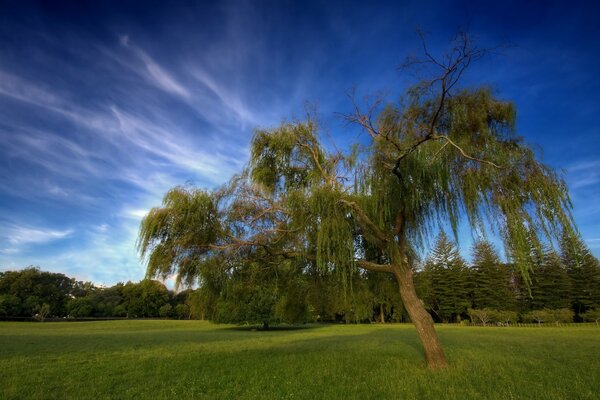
(273, 328)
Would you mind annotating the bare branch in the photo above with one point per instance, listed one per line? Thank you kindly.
(465, 155)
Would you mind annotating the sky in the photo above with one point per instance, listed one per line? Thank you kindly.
(106, 105)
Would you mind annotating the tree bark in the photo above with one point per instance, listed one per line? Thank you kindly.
(434, 354)
(381, 314)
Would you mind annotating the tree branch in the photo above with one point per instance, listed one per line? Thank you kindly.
(366, 224)
(374, 267)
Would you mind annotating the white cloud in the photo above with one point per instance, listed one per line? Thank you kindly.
(136, 214)
(583, 174)
(21, 235)
(153, 72)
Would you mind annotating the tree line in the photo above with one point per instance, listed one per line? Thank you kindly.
(34, 293)
(564, 287)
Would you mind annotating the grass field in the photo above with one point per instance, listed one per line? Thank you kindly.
(195, 359)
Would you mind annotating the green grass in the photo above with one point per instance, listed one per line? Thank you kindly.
(194, 359)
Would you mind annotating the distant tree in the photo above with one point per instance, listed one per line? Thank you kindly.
(485, 315)
(448, 276)
(10, 305)
(592, 316)
(442, 155)
(388, 304)
(80, 307)
(144, 299)
(549, 315)
(34, 288)
(489, 279)
(198, 304)
(506, 317)
(550, 287)
(563, 315)
(538, 316)
(42, 312)
(165, 311)
(583, 270)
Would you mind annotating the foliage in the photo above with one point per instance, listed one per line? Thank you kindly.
(592, 316)
(506, 317)
(485, 315)
(584, 273)
(550, 283)
(488, 315)
(42, 312)
(166, 311)
(24, 292)
(446, 275)
(489, 279)
(549, 315)
(442, 155)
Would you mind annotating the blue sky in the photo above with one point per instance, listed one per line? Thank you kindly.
(104, 106)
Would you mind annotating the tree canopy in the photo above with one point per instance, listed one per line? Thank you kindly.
(441, 155)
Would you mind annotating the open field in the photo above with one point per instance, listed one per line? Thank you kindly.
(195, 359)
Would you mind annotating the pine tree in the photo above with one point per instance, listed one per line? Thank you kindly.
(490, 279)
(448, 299)
(550, 283)
(583, 270)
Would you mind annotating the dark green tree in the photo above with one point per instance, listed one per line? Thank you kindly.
(584, 273)
(448, 279)
(490, 279)
(550, 286)
(35, 288)
(143, 299)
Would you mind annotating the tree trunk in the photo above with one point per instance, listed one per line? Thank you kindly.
(434, 354)
(381, 314)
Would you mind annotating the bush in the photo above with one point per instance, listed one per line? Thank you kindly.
(506, 317)
(592, 316)
(484, 316)
(182, 311)
(165, 311)
(547, 315)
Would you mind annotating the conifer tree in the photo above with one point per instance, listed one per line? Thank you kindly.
(584, 273)
(550, 287)
(448, 297)
(490, 279)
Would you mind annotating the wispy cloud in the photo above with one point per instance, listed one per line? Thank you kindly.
(154, 73)
(583, 174)
(22, 235)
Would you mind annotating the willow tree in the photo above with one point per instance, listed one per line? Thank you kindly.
(442, 155)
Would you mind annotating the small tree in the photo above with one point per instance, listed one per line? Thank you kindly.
(561, 315)
(592, 316)
(538, 316)
(485, 315)
(42, 312)
(165, 311)
(506, 317)
(182, 311)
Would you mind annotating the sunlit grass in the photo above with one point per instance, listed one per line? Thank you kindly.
(194, 359)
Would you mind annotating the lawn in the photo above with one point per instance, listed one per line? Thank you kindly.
(195, 359)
